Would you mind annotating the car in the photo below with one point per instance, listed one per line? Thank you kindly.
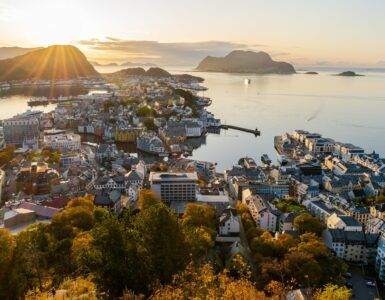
(371, 283)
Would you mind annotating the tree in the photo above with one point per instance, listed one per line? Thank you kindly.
(307, 223)
(334, 292)
(199, 215)
(7, 247)
(203, 283)
(161, 235)
(114, 257)
(147, 198)
(30, 260)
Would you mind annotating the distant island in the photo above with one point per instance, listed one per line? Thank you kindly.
(96, 64)
(240, 61)
(136, 64)
(311, 73)
(59, 62)
(349, 74)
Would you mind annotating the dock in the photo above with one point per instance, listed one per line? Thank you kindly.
(255, 131)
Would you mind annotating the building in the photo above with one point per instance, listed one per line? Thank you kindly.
(21, 127)
(229, 223)
(2, 140)
(176, 189)
(346, 223)
(18, 217)
(63, 142)
(347, 245)
(319, 209)
(150, 143)
(264, 214)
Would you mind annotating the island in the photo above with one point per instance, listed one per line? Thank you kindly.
(349, 74)
(240, 61)
(311, 73)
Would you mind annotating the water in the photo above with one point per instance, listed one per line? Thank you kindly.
(347, 109)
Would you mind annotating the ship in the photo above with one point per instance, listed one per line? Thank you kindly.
(247, 81)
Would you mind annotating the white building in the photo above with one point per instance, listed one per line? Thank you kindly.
(63, 142)
(176, 189)
(229, 223)
(263, 213)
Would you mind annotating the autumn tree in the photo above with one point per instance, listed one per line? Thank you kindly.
(334, 292)
(147, 198)
(7, 247)
(307, 223)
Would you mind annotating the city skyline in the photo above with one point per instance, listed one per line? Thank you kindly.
(321, 33)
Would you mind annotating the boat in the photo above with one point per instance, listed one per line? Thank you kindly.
(38, 101)
(265, 159)
(247, 81)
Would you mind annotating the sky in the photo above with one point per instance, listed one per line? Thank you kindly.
(303, 32)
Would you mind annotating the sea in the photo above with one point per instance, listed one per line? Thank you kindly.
(346, 109)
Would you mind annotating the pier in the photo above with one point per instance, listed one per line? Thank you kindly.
(255, 131)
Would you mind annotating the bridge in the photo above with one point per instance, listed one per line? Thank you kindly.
(255, 131)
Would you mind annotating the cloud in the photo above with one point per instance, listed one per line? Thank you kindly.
(380, 63)
(161, 53)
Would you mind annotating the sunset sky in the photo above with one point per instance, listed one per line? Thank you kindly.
(304, 32)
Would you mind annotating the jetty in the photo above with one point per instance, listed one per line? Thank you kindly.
(255, 131)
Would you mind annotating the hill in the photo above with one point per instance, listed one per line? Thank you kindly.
(240, 61)
(52, 63)
(9, 52)
(155, 72)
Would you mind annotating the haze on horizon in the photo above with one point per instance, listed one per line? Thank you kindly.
(319, 32)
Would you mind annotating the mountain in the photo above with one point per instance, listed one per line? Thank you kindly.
(9, 52)
(240, 61)
(54, 62)
(133, 64)
(157, 72)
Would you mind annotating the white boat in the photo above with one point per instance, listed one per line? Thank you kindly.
(247, 81)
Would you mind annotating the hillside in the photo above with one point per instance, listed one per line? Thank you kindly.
(54, 62)
(245, 62)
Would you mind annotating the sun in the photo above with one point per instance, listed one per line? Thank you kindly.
(58, 22)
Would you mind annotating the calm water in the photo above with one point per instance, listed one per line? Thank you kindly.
(347, 109)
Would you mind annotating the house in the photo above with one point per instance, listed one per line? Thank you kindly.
(286, 221)
(109, 199)
(229, 223)
(319, 209)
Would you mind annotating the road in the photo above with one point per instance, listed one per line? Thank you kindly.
(360, 290)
